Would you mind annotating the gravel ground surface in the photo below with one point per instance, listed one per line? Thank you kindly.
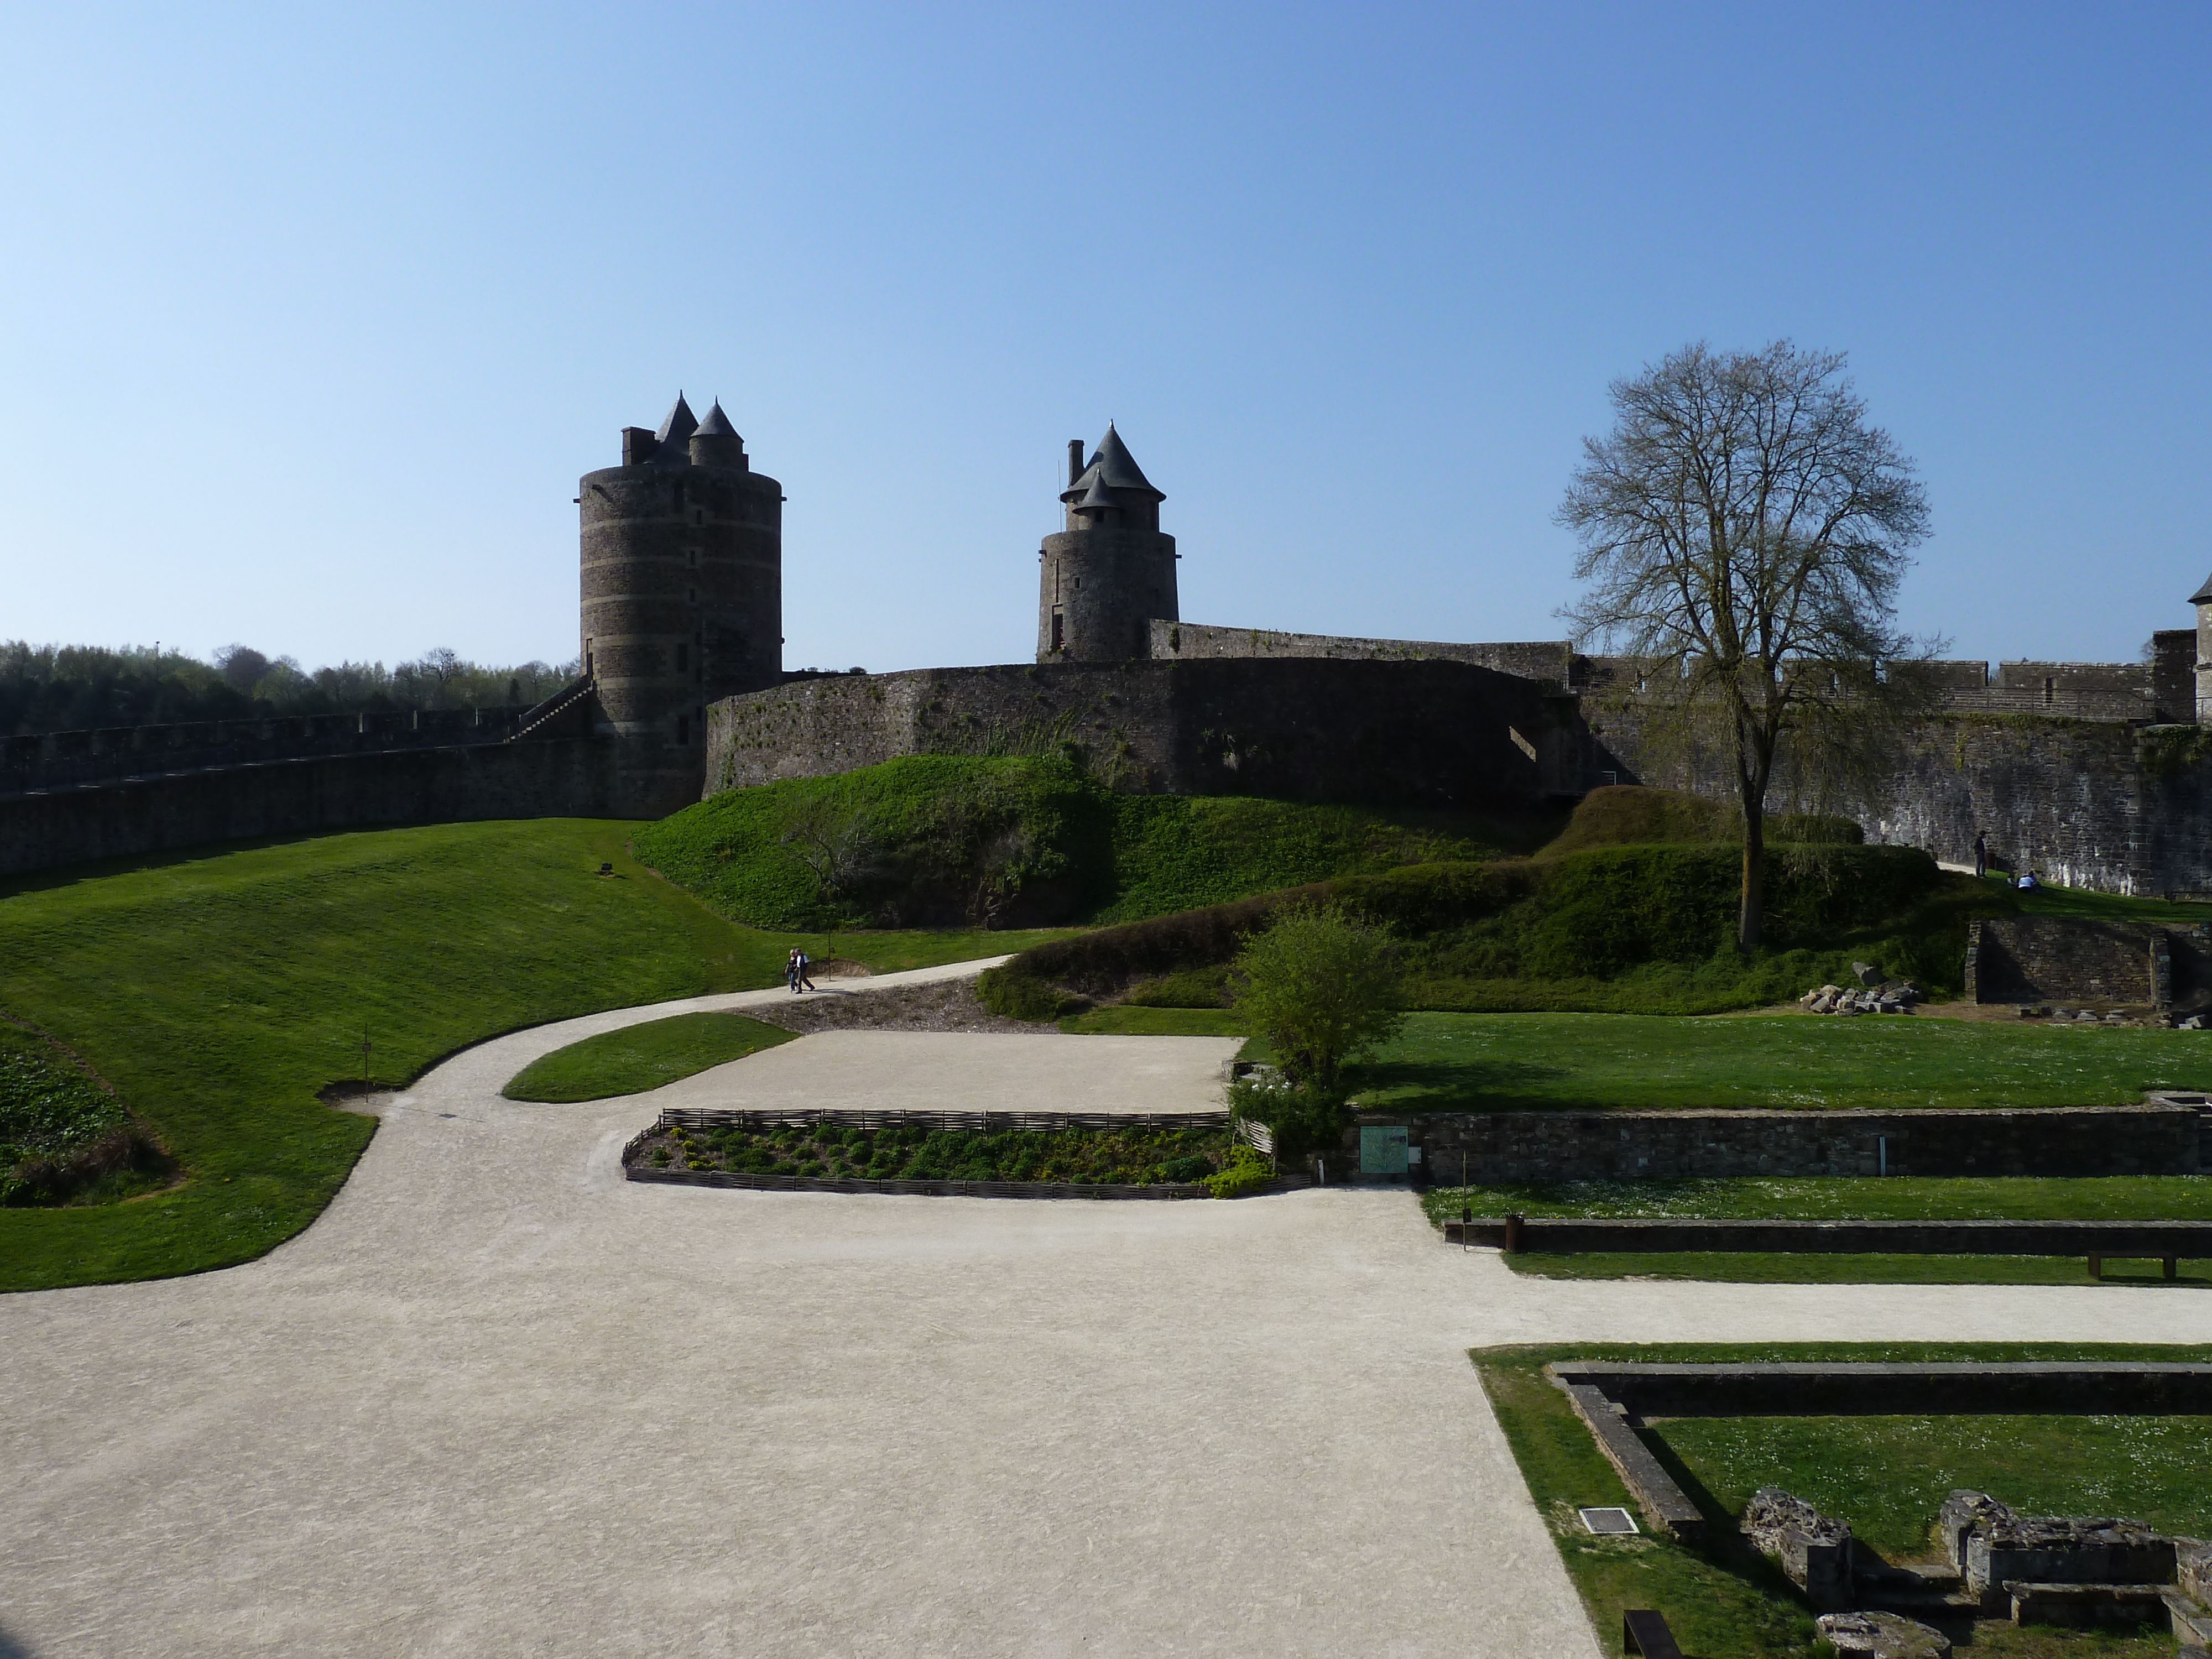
(944, 1005)
(499, 1400)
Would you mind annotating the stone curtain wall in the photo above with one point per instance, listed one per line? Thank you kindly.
(55, 760)
(1412, 731)
(568, 777)
(2113, 1140)
(1550, 660)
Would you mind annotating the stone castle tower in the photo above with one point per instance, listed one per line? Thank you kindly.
(1111, 571)
(683, 597)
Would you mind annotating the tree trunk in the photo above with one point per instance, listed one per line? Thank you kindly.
(1750, 915)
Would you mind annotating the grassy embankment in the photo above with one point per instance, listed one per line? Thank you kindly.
(219, 992)
(1886, 1475)
(640, 1057)
(943, 839)
(1630, 908)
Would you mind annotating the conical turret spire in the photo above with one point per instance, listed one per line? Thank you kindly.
(717, 424)
(679, 425)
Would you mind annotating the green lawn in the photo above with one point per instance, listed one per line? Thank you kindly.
(1845, 1198)
(642, 1057)
(1546, 1062)
(1724, 1603)
(1887, 1475)
(220, 991)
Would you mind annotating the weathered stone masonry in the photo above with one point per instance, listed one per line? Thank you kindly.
(1351, 731)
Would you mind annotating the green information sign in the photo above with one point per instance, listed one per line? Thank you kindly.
(1382, 1149)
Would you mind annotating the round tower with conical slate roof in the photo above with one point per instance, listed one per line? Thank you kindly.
(1110, 571)
(683, 597)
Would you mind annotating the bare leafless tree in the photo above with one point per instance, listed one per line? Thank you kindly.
(1744, 532)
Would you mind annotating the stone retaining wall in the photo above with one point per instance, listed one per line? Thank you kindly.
(2082, 1140)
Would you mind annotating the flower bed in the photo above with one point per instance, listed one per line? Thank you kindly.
(1199, 1158)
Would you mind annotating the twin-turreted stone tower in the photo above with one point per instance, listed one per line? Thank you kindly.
(683, 597)
(1111, 571)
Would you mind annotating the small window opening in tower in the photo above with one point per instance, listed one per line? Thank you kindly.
(698, 515)
(1058, 630)
(2049, 690)
(691, 557)
(682, 730)
(694, 592)
(683, 658)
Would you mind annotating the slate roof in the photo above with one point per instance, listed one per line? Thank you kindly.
(716, 425)
(673, 443)
(1112, 464)
(2203, 595)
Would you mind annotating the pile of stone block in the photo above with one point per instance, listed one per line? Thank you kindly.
(1887, 997)
(2077, 1572)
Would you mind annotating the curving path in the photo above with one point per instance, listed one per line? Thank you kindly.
(498, 1401)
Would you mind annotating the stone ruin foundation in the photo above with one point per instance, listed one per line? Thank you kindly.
(2071, 1571)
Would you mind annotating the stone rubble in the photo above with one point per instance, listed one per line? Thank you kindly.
(1814, 1550)
(1886, 997)
(1881, 1636)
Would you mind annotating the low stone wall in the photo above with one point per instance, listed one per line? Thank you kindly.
(569, 777)
(1555, 661)
(2133, 1240)
(1321, 730)
(2085, 1141)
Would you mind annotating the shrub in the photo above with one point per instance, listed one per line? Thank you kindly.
(1013, 995)
(1320, 987)
(1244, 1171)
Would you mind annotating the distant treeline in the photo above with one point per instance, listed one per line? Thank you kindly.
(74, 688)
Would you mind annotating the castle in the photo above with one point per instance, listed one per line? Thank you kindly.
(2100, 775)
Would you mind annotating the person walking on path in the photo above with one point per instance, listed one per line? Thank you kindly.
(1981, 855)
(801, 960)
(791, 970)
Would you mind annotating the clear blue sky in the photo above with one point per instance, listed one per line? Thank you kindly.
(314, 314)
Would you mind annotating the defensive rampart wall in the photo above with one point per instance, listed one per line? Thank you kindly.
(1442, 733)
(560, 777)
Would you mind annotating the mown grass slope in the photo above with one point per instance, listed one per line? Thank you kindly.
(942, 840)
(219, 992)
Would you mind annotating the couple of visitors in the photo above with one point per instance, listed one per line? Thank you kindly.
(794, 971)
(2024, 879)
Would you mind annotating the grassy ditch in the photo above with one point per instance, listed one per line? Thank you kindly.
(1885, 1476)
(220, 992)
(1018, 840)
(1550, 1062)
(642, 1057)
(1133, 1157)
